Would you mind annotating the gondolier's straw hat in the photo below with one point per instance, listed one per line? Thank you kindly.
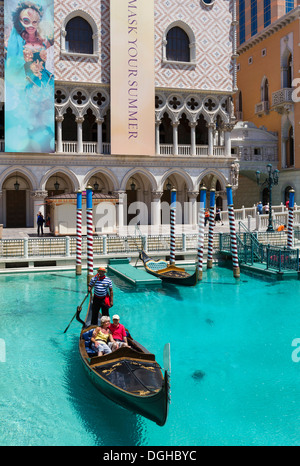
(101, 269)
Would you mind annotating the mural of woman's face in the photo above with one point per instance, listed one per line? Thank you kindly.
(30, 19)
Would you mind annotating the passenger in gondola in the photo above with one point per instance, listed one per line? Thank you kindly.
(118, 333)
(102, 337)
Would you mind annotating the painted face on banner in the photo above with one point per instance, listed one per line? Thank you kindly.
(30, 20)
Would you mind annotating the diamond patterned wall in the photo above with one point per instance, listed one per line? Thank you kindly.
(211, 26)
(213, 33)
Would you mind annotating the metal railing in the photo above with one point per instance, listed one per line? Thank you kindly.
(251, 251)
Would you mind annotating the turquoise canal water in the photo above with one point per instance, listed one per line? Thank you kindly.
(233, 380)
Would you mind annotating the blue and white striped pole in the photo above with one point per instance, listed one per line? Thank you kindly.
(89, 231)
(211, 228)
(172, 226)
(201, 216)
(235, 259)
(78, 233)
(290, 235)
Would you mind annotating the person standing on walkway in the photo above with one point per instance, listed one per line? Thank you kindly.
(218, 217)
(40, 223)
(266, 208)
(260, 208)
(103, 292)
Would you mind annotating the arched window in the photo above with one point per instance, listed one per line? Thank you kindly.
(265, 90)
(79, 36)
(290, 71)
(240, 100)
(287, 69)
(290, 148)
(178, 45)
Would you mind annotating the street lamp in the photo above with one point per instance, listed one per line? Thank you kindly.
(270, 181)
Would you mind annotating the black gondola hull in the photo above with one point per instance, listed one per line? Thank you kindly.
(114, 375)
(153, 407)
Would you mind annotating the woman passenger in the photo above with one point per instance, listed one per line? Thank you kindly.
(102, 337)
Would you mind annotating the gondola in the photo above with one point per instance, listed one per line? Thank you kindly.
(167, 272)
(130, 377)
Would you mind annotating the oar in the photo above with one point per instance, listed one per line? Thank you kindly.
(78, 308)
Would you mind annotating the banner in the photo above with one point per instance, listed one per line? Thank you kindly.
(132, 77)
(29, 76)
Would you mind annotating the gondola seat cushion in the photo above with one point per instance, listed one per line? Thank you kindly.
(90, 349)
(156, 266)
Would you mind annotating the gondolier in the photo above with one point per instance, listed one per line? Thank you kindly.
(103, 292)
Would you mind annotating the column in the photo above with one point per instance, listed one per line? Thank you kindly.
(201, 232)
(227, 140)
(192, 195)
(39, 205)
(155, 209)
(78, 232)
(89, 230)
(2, 211)
(157, 141)
(211, 127)
(175, 125)
(59, 119)
(121, 209)
(79, 121)
(172, 226)
(233, 240)
(99, 122)
(193, 125)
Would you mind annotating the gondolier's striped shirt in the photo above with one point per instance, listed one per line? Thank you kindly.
(101, 286)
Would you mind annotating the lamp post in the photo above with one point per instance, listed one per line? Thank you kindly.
(270, 181)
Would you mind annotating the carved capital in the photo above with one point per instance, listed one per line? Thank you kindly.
(79, 120)
(39, 193)
(192, 194)
(156, 194)
(99, 121)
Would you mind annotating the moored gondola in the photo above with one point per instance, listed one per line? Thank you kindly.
(129, 376)
(167, 272)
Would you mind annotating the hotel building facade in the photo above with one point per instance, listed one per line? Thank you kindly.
(268, 76)
(194, 69)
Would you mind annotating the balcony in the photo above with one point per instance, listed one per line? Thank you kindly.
(282, 100)
(185, 149)
(91, 148)
(262, 108)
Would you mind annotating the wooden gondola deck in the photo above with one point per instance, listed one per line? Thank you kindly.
(135, 275)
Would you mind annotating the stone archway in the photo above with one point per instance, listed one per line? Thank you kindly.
(16, 200)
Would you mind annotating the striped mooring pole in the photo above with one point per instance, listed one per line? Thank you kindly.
(89, 234)
(211, 225)
(78, 233)
(201, 215)
(290, 234)
(172, 226)
(235, 259)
